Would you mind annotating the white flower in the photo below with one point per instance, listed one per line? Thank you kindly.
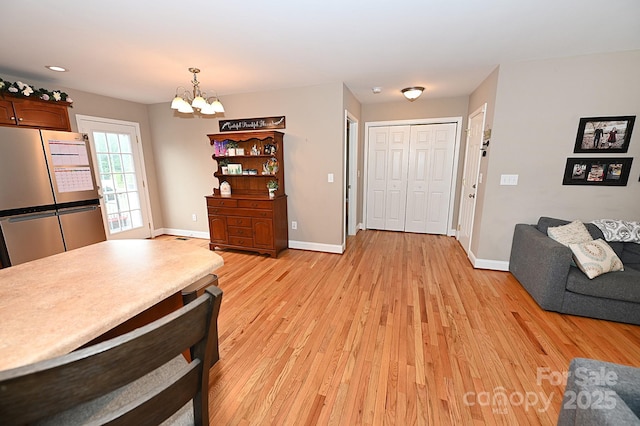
(57, 96)
(13, 89)
(27, 90)
(44, 97)
(69, 99)
(20, 85)
(1, 84)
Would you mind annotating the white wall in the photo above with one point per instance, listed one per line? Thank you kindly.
(537, 111)
(312, 148)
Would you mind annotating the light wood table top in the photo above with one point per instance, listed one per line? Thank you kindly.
(51, 306)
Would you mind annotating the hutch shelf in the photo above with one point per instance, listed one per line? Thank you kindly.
(249, 218)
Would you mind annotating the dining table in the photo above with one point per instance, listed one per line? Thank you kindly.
(54, 305)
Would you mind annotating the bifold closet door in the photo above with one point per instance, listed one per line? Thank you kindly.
(387, 177)
(429, 179)
(409, 177)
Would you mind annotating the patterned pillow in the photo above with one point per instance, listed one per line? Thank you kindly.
(595, 258)
(619, 230)
(572, 233)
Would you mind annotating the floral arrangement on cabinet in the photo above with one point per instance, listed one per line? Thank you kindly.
(24, 90)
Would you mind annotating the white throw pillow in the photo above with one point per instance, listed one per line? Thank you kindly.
(595, 258)
(571, 233)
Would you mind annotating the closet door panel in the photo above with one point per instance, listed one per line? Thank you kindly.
(398, 156)
(441, 177)
(377, 177)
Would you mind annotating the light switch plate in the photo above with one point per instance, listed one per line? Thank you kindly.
(508, 179)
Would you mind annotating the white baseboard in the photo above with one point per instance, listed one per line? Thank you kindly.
(326, 248)
(299, 245)
(495, 265)
(181, 233)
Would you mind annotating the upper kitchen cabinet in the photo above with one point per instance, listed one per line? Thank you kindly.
(34, 113)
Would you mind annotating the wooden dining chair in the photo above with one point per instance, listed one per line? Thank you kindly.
(139, 378)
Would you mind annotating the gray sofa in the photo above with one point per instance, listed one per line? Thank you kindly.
(545, 269)
(600, 393)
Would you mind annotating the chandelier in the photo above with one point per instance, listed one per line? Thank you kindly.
(197, 100)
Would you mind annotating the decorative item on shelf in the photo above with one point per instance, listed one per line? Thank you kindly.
(199, 102)
(254, 150)
(270, 167)
(220, 148)
(239, 151)
(231, 148)
(272, 186)
(223, 163)
(252, 171)
(270, 149)
(235, 169)
(225, 189)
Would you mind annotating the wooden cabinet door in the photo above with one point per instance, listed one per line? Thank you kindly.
(7, 116)
(218, 229)
(42, 115)
(263, 233)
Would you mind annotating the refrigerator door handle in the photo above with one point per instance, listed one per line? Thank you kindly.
(76, 210)
(25, 217)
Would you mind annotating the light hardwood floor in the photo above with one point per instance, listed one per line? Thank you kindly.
(400, 329)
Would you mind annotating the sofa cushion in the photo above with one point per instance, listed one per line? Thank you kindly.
(545, 222)
(620, 285)
(595, 258)
(571, 233)
(630, 253)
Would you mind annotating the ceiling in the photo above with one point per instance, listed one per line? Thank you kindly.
(140, 50)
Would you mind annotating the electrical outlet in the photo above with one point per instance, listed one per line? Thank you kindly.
(194, 217)
(330, 178)
(294, 224)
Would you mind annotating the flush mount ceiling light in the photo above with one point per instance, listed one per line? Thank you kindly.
(412, 93)
(55, 68)
(189, 103)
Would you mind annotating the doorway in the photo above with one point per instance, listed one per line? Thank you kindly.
(124, 196)
(351, 173)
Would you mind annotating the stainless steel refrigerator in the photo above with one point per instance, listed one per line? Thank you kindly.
(48, 194)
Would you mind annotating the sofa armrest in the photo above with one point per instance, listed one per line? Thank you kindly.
(600, 393)
(541, 265)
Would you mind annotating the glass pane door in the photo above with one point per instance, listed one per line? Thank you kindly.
(118, 181)
(120, 171)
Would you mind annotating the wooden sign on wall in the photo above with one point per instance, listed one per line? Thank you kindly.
(243, 124)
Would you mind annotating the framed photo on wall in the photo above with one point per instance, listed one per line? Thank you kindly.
(604, 134)
(597, 171)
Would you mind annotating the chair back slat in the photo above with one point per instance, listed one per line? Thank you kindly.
(155, 407)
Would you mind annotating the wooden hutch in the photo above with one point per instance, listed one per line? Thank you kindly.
(249, 219)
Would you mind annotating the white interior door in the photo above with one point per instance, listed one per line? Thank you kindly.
(430, 175)
(120, 172)
(470, 180)
(397, 171)
(377, 177)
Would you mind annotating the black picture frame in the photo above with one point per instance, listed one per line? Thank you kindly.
(597, 171)
(604, 134)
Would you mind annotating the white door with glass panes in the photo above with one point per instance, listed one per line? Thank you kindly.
(120, 173)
